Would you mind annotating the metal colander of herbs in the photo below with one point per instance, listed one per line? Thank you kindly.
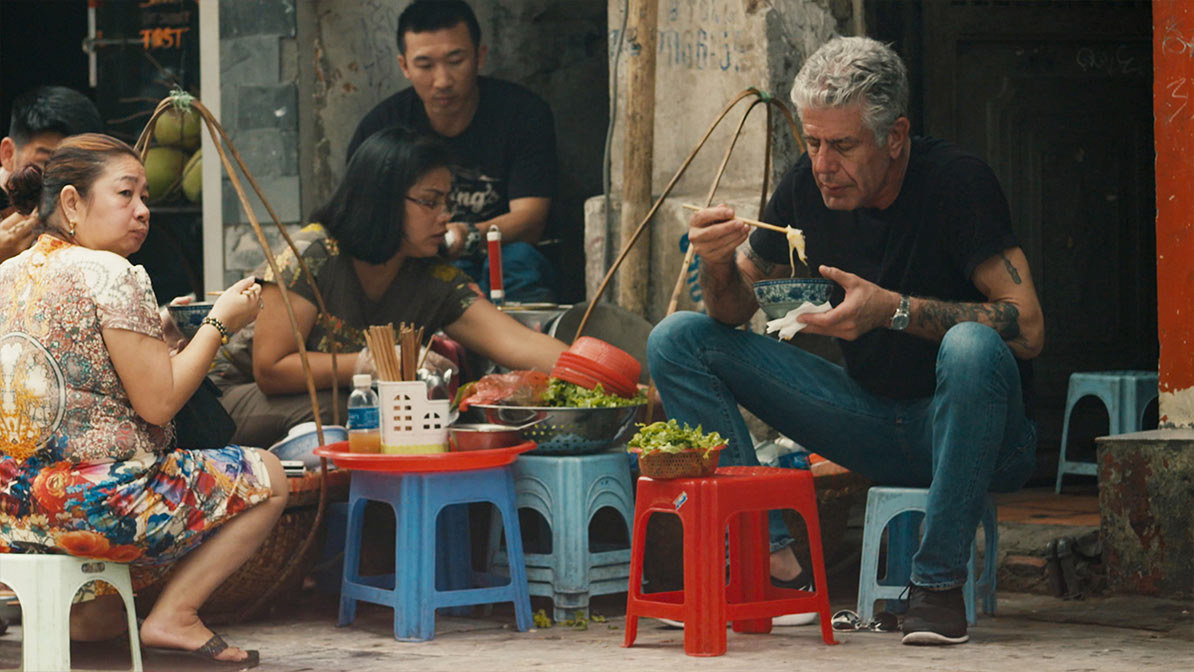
(670, 437)
(562, 393)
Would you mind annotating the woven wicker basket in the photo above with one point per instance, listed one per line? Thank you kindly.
(687, 464)
(245, 585)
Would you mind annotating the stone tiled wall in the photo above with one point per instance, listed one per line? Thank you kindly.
(259, 111)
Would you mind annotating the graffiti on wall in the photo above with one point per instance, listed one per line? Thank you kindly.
(697, 35)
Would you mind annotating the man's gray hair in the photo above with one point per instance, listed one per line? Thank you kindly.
(849, 70)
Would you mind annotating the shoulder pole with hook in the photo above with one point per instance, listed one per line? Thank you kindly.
(184, 100)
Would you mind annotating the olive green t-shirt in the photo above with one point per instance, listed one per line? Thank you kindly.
(428, 292)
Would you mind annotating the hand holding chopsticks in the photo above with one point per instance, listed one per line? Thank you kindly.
(752, 222)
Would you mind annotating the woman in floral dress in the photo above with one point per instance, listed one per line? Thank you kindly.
(88, 389)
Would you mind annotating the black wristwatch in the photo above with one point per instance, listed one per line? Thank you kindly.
(899, 321)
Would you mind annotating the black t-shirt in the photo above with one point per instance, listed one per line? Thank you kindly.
(950, 216)
(507, 152)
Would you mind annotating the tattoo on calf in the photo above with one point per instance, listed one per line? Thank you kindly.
(1011, 268)
(765, 267)
(1004, 318)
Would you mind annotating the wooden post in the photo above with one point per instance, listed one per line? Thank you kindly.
(1173, 127)
(638, 150)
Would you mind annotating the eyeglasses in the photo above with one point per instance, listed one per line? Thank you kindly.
(434, 206)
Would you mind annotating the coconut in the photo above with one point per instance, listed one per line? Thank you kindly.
(192, 177)
(191, 125)
(177, 127)
(163, 168)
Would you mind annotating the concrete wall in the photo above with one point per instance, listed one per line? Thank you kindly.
(298, 76)
(708, 51)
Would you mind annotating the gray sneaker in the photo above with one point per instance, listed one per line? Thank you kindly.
(935, 617)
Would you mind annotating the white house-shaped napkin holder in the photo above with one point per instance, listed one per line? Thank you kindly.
(410, 422)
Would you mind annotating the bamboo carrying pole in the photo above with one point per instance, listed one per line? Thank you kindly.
(628, 244)
(761, 98)
(183, 100)
(638, 150)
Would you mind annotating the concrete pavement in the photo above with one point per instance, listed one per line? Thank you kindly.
(1035, 632)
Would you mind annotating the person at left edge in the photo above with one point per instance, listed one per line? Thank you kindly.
(41, 118)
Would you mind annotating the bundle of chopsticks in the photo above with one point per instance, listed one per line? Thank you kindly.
(390, 366)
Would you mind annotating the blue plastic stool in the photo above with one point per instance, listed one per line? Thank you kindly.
(329, 569)
(568, 491)
(413, 592)
(1126, 394)
(901, 510)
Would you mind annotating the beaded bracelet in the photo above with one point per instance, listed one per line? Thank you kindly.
(219, 327)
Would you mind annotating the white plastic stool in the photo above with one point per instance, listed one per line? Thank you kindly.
(45, 586)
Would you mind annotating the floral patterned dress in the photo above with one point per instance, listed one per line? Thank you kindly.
(80, 471)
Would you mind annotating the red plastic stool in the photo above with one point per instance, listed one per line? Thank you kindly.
(736, 498)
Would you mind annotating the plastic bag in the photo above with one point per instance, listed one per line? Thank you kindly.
(519, 388)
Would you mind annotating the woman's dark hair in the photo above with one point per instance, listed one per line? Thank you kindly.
(366, 215)
(78, 161)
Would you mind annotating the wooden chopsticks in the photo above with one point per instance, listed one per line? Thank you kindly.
(752, 222)
(390, 366)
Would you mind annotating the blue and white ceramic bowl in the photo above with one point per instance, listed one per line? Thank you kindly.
(777, 297)
(189, 316)
(302, 439)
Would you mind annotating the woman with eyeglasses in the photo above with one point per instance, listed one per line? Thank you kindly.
(374, 253)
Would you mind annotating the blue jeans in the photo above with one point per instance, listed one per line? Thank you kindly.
(969, 438)
(527, 275)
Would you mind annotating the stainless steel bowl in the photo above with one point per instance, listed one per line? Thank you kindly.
(566, 431)
(480, 436)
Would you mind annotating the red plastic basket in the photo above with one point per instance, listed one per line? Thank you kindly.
(597, 369)
(609, 356)
(587, 373)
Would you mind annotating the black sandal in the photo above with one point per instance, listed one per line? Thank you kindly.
(210, 649)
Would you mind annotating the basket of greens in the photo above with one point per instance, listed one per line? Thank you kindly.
(666, 450)
(568, 419)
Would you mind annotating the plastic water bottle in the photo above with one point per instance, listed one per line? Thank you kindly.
(364, 421)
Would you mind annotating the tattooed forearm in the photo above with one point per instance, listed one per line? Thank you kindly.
(938, 316)
(1011, 268)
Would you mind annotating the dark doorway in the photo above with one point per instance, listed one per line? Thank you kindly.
(1057, 97)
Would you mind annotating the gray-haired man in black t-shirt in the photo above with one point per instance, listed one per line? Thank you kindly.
(501, 134)
(935, 311)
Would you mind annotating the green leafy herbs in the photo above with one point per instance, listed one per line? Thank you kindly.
(563, 393)
(669, 437)
(540, 619)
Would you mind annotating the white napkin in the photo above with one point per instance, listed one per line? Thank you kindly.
(787, 326)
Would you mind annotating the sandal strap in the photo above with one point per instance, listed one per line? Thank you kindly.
(212, 647)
